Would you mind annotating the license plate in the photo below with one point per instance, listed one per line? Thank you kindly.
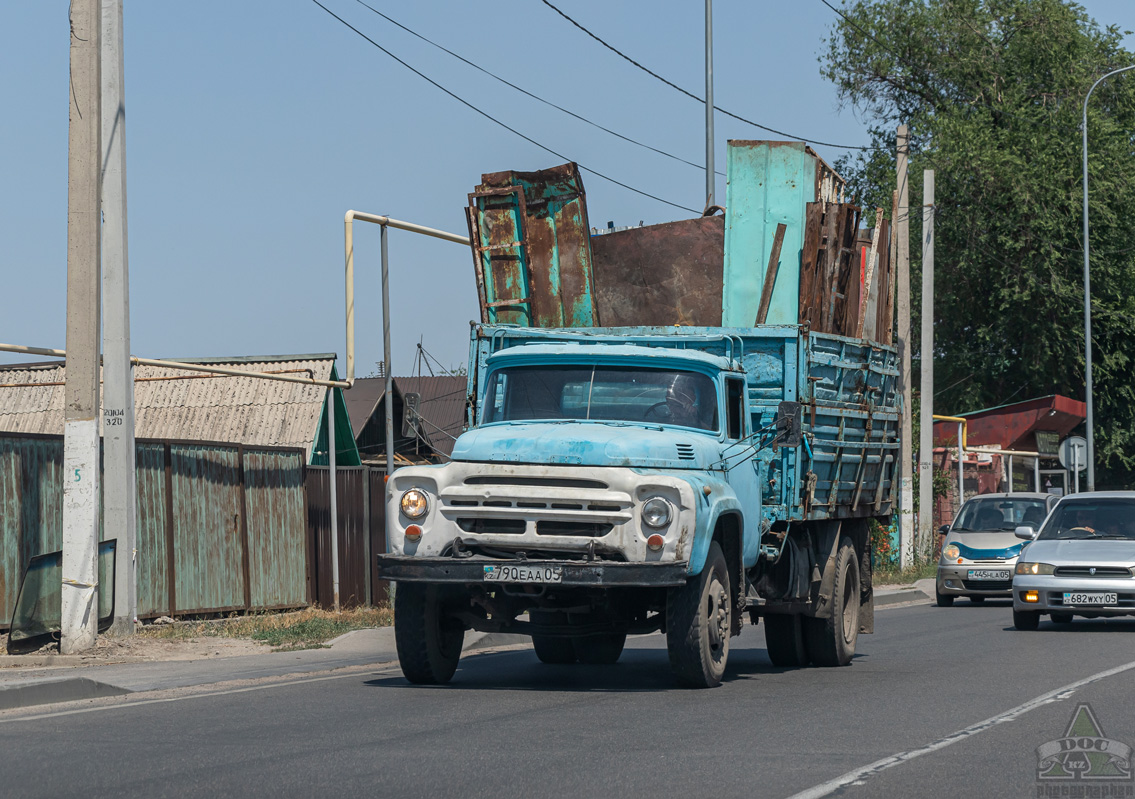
(988, 574)
(1075, 598)
(523, 574)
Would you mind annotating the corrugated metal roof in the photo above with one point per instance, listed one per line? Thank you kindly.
(362, 399)
(442, 407)
(176, 404)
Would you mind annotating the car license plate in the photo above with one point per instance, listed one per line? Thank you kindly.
(988, 574)
(523, 574)
(1075, 598)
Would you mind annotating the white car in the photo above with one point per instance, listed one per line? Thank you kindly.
(979, 550)
(1081, 563)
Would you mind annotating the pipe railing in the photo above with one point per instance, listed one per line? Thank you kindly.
(383, 222)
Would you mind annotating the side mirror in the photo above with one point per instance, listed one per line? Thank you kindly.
(788, 425)
(944, 529)
(1025, 532)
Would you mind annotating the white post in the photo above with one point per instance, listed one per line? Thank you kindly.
(1036, 473)
(961, 470)
(334, 497)
(1010, 473)
(1076, 466)
(926, 440)
(119, 489)
(902, 339)
(79, 597)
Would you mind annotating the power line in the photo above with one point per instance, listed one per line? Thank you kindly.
(701, 100)
(496, 121)
(527, 93)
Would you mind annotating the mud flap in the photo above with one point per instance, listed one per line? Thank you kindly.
(828, 539)
(866, 592)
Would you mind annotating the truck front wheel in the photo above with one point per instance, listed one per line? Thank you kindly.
(698, 622)
(831, 641)
(428, 641)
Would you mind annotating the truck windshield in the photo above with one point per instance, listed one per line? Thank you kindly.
(601, 393)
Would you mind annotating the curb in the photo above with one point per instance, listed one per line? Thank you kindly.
(53, 691)
(900, 597)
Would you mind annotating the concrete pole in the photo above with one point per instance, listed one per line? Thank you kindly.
(902, 339)
(389, 402)
(926, 411)
(710, 175)
(961, 471)
(119, 489)
(79, 598)
(334, 492)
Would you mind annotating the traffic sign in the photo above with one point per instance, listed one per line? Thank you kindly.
(1074, 453)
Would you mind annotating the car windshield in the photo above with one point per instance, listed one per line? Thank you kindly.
(601, 393)
(1099, 518)
(1000, 513)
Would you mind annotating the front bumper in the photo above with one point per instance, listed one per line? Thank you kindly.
(954, 579)
(1051, 589)
(600, 574)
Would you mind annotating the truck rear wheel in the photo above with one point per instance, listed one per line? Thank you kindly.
(552, 649)
(831, 641)
(784, 640)
(429, 643)
(698, 622)
(599, 650)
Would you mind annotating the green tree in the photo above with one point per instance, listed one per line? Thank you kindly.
(992, 91)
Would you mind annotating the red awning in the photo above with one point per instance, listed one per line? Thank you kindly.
(1015, 426)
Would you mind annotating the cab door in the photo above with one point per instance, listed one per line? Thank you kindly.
(744, 470)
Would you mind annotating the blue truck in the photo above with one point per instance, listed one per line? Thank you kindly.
(631, 479)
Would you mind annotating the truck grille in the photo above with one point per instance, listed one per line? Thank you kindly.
(493, 526)
(586, 529)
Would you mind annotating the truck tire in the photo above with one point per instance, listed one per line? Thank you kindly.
(698, 622)
(428, 643)
(552, 649)
(599, 650)
(784, 640)
(555, 651)
(831, 641)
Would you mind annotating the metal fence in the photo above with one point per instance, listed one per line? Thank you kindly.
(361, 511)
(221, 527)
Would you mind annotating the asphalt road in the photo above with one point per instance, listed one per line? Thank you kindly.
(921, 712)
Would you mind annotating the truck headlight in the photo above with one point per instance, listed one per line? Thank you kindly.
(1035, 568)
(414, 503)
(656, 512)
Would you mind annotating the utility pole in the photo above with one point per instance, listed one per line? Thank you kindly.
(926, 437)
(119, 488)
(79, 598)
(902, 339)
(710, 173)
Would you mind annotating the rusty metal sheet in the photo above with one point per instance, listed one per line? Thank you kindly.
(273, 499)
(206, 509)
(351, 507)
(662, 274)
(153, 558)
(532, 248)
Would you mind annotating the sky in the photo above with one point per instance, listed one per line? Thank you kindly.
(253, 126)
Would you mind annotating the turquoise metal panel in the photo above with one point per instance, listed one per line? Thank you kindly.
(277, 553)
(152, 521)
(768, 183)
(208, 545)
(31, 509)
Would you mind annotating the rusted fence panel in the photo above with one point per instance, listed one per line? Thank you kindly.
(275, 528)
(31, 508)
(152, 526)
(208, 545)
(354, 547)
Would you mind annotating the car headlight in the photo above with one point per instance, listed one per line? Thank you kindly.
(656, 512)
(951, 552)
(1034, 568)
(414, 503)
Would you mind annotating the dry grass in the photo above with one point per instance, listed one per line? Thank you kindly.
(302, 629)
(904, 576)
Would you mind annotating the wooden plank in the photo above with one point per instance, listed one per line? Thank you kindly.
(869, 272)
(809, 262)
(770, 273)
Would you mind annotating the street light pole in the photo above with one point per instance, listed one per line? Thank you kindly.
(1088, 293)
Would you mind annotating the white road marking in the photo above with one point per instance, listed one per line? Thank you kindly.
(860, 775)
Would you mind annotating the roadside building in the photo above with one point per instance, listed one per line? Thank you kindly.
(424, 436)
